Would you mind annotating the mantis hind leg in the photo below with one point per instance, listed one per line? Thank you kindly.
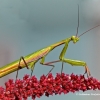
(19, 67)
(48, 63)
(32, 65)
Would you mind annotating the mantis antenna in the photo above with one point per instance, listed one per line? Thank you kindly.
(88, 30)
(78, 22)
(78, 26)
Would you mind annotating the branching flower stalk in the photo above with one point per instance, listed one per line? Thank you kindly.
(46, 85)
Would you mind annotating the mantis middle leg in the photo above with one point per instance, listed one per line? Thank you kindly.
(48, 63)
(73, 62)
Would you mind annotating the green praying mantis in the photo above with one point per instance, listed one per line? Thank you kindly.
(30, 60)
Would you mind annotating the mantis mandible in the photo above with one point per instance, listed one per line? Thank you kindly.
(30, 60)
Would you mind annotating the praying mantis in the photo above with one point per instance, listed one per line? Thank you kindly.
(30, 60)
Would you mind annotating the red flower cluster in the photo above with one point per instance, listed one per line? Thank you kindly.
(31, 86)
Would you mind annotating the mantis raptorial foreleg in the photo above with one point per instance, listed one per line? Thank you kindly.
(73, 62)
(19, 67)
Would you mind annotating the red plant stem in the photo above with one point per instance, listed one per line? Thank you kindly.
(32, 87)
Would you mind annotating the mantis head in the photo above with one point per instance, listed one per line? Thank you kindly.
(74, 39)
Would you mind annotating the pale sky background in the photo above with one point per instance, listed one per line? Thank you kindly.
(29, 25)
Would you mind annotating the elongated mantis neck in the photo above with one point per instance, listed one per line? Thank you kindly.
(61, 42)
